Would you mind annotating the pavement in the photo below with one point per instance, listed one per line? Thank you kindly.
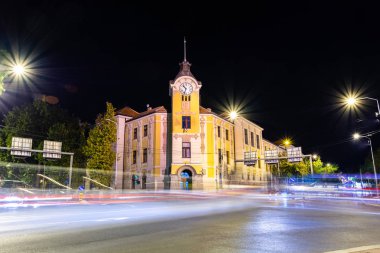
(364, 249)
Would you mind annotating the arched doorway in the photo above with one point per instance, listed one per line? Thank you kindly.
(186, 179)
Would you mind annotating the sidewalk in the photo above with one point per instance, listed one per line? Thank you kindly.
(363, 249)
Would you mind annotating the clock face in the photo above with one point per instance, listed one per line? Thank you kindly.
(186, 88)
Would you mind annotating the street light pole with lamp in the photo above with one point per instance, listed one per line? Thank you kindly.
(116, 151)
(233, 115)
(357, 136)
(351, 101)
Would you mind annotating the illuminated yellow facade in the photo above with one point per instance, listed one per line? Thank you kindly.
(190, 147)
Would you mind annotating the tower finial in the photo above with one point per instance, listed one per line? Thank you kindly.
(184, 48)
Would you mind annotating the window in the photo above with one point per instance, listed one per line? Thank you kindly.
(134, 158)
(258, 141)
(145, 130)
(227, 134)
(218, 131)
(220, 157)
(135, 133)
(186, 122)
(252, 139)
(186, 98)
(246, 136)
(186, 150)
(145, 155)
(228, 157)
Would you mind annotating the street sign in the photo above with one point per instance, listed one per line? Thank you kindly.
(271, 156)
(23, 144)
(52, 146)
(250, 158)
(294, 154)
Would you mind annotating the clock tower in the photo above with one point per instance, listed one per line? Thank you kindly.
(186, 155)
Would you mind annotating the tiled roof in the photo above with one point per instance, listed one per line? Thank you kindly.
(127, 111)
(203, 110)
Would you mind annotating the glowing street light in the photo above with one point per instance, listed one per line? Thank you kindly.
(287, 142)
(233, 115)
(357, 136)
(315, 156)
(353, 101)
(18, 69)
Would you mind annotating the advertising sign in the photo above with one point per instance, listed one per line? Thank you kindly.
(52, 146)
(23, 145)
(250, 158)
(271, 156)
(294, 154)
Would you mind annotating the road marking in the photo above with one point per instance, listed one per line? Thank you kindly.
(91, 220)
(358, 249)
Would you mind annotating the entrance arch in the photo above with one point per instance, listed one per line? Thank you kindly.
(186, 174)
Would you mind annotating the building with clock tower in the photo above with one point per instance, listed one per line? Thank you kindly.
(190, 147)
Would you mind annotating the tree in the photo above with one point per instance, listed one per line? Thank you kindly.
(318, 166)
(41, 121)
(4, 68)
(98, 149)
(303, 168)
(368, 164)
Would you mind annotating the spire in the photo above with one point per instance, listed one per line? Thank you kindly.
(184, 49)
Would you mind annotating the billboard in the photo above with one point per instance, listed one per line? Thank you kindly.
(250, 158)
(271, 156)
(23, 145)
(294, 154)
(52, 146)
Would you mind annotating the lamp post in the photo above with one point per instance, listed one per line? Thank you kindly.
(116, 150)
(233, 115)
(351, 101)
(357, 136)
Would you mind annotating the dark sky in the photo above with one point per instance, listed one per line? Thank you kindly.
(285, 64)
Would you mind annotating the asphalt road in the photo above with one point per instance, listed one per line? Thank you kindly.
(200, 224)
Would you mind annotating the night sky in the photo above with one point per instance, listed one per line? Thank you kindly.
(286, 65)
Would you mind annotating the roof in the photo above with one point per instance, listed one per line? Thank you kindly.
(203, 110)
(184, 70)
(272, 143)
(127, 111)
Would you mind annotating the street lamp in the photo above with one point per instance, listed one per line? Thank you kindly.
(352, 101)
(287, 142)
(16, 70)
(233, 115)
(357, 136)
(315, 156)
(116, 150)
